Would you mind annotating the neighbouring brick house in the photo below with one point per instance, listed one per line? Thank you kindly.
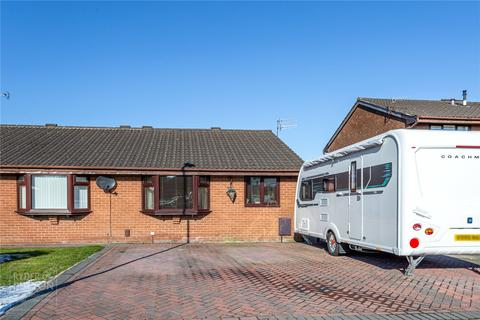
(370, 116)
(48, 190)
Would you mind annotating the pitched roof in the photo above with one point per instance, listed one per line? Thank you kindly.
(411, 110)
(147, 148)
(428, 108)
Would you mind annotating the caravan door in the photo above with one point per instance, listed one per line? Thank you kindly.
(355, 207)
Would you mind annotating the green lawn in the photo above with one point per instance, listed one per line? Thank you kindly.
(40, 263)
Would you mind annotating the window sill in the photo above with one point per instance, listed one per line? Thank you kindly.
(262, 205)
(53, 212)
(175, 212)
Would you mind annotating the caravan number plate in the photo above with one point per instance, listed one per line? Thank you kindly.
(467, 237)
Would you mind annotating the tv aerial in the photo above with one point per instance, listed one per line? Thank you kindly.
(285, 124)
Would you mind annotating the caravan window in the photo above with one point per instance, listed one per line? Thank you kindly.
(317, 186)
(353, 176)
(366, 176)
(359, 179)
(306, 191)
(329, 184)
(342, 181)
(380, 175)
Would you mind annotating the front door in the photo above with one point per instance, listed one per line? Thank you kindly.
(355, 207)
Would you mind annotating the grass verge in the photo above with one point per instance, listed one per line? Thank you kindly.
(40, 263)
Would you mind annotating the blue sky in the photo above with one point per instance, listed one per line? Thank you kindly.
(231, 64)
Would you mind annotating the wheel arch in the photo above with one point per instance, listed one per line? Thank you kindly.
(333, 228)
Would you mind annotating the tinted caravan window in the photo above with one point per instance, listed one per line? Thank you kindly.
(329, 184)
(380, 175)
(317, 186)
(306, 191)
(342, 181)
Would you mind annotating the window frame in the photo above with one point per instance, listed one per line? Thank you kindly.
(71, 187)
(174, 211)
(455, 127)
(307, 183)
(353, 177)
(329, 180)
(20, 184)
(145, 185)
(202, 185)
(262, 192)
(70, 210)
(466, 128)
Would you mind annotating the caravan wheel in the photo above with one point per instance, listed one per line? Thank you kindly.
(332, 244)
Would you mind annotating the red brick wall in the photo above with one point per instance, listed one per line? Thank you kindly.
(364, 124)
(361, 125)
(226, 222)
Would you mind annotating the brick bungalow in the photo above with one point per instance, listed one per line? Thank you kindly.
(171, 184)
(371, 116)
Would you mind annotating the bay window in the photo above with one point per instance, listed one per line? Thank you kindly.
(22, 193)
(262, 191)
(203, 193)
(49, 192)
(176, 192)
(148, 196)
(176, 195)
(53, 194)
(80, 192)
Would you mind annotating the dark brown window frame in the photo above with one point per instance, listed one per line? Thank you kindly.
(149, 185)
(262, 192)
(169, 211)
(203, 185)
(74, 184)
(70, 210)
(20, 184)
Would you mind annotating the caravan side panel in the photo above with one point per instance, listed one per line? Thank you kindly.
(365, 215)
(380, 197)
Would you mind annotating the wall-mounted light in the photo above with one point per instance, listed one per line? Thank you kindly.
(231, 192)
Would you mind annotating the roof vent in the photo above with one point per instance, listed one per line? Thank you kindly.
(147, 127)
(452, 101)
(51, 125)
(215, 128)
(125, 126)
(464, 99)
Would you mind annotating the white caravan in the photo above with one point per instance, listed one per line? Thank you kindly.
(408, 192)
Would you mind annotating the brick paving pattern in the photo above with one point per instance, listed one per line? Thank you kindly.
(262, 281)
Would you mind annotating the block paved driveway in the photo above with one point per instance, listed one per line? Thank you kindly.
(292, 280)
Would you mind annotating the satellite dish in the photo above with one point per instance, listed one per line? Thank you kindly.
(105, 183)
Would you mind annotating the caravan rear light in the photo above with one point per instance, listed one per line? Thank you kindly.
(417, 227)
(414, 243)
(428, 231)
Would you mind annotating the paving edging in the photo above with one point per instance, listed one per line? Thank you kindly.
(22, 307)
(440, 315)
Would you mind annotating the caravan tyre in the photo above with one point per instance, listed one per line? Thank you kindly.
(332, 244)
